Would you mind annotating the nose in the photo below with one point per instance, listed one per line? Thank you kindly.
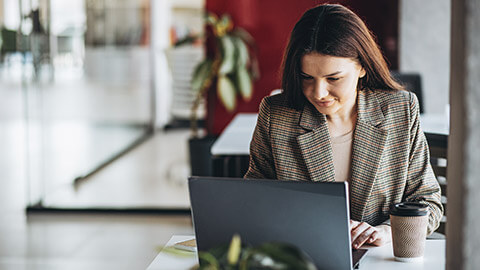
(321, 89)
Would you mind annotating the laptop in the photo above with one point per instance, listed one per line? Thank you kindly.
(313, 216)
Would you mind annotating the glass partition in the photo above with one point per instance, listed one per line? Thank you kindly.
(82, 71)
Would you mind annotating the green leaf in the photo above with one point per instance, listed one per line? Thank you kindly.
(244, 35)
(208, 261)
(244, 83)
(283, 254)
(234, 250)
(201, 74)
(241, 52)
(225, 21)
(226, 93)
(211, 18)
(222, 26)
(228, 55)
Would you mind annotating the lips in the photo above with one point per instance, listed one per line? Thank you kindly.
(325, 103)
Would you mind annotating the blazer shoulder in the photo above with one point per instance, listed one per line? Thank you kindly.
(277, 103)
(278, 108)
(389, 99)
(276, 100)
(402, 96)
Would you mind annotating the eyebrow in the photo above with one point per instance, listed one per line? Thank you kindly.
(328, 75)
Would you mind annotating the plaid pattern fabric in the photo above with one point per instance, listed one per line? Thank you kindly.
(390, 157)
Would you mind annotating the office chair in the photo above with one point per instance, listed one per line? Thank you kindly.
(412, 82)
(438, 159)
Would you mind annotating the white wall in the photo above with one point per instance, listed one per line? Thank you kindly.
(11, 18)
(425, 48)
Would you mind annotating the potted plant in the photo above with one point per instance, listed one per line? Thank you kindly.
(265, 256)
(228, 69)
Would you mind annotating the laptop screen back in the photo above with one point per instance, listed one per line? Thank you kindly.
(313, 216)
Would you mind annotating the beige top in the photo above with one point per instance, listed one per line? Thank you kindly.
(342, 156)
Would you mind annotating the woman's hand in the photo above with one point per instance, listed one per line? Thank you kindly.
(363, 233)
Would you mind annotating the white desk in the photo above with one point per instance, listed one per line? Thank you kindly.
(382, 258)
(235, 139)
(166, 260)
(438, 124)
(376, 258)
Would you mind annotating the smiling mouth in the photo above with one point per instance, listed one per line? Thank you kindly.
(325, 103)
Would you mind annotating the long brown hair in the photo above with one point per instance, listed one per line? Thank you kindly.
(333, 30)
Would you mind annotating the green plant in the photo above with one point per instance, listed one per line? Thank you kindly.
(274, 256)
(232, 66)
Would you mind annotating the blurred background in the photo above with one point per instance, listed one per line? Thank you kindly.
(95, 103)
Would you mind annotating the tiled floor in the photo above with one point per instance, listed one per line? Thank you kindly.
(152, 175)
(94, 241)
(85, 241)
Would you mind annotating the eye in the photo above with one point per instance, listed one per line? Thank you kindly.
(305, 76)
(333, 79)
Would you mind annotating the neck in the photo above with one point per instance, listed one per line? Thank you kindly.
(347, 114)
(343, 123)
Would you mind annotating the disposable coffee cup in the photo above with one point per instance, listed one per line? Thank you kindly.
(409, 222)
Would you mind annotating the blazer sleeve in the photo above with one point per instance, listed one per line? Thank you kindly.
(422, 184)
(261, 159)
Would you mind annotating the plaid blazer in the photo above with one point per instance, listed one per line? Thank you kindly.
(390, 156)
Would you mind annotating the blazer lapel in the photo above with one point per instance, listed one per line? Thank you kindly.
(368, 145)
(315, 145)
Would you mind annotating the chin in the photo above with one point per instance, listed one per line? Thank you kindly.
(326, 110)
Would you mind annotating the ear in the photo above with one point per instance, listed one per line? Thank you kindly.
(362, 73)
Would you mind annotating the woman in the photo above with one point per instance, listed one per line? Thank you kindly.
(341, 117)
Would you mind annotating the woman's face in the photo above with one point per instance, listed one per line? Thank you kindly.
(330, 83)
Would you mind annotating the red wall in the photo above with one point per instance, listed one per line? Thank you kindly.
(270, 23)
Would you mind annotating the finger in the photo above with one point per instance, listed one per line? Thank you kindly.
(359, 228)
(353, 224)
(356, 226)
(363, 237)
(356, 232)
(381, 239)
(373, 237)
